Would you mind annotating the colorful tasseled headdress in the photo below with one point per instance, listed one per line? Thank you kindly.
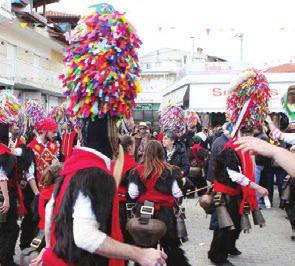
(102, 66)
(172, 117)
(250, 93)
(9, 108)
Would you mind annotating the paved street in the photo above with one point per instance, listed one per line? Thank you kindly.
(270, 245)
(267, 246)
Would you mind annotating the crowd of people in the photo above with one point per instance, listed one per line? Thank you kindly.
(161, 168)
(90, 187)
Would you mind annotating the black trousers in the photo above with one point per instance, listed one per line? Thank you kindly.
(9, 234)
(224, 240)
(29, 225)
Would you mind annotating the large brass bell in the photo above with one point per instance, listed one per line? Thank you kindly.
(258, 218)
(224, 219)
(245, 221)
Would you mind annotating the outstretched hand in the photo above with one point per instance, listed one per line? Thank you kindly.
(255, 145)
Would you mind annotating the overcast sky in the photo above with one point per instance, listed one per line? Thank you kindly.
(268, 25)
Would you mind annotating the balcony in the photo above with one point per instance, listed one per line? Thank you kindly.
(5, 11)
(27, 76)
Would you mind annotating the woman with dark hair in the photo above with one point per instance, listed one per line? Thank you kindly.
(155, 181)
(176, 154)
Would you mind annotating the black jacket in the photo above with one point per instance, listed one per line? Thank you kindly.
(180, 158)
(216, 149)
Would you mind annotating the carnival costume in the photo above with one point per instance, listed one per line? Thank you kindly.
(10, 193)
(247, 106)
(163, 191)
(101, 85)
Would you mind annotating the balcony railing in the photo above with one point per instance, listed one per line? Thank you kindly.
(29, 75)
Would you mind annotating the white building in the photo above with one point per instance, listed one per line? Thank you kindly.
(203, 88)
(159, 70)
(30, 60)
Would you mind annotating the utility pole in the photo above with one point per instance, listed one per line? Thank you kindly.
(193, 47)
(241, 37)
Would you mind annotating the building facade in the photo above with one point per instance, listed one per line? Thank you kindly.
(30, 58)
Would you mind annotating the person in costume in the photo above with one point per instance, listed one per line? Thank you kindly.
(48, 180)
(43, 146)
(69, 140)
(10, 192)
(234, 172)
(128, 146)
(37, 156)
(156, 181)
(198, 157)
(101, 84)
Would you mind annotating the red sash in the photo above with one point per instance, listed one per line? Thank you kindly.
(248, 169)
(151, 193)
(219, 187)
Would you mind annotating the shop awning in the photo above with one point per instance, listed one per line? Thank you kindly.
(176, 96)
(212, 97)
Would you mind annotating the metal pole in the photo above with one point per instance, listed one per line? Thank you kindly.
(193, 48)
(241, 46)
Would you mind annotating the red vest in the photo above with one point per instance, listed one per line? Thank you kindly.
(44, 155)
(151, 194)
(68, 143)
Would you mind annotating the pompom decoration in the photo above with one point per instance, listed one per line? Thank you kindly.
(250, 84)
(172, 117)
(102, 66)
(34, 112)
(192, 118)
(9, 108)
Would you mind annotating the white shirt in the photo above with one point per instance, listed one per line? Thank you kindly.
(133, 190)
(238, 177)
(86, 231)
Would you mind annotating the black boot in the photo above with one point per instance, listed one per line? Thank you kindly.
(234, 252)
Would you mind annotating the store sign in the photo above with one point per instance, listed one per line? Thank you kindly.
(207, 98)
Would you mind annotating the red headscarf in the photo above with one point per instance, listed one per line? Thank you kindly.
(46, 124)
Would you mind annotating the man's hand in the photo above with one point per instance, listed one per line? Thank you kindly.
(5, 206)
(256, 145)
(38, 261)
(262, 191)
(151, 257)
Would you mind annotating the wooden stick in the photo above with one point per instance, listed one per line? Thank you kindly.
(197, 190)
